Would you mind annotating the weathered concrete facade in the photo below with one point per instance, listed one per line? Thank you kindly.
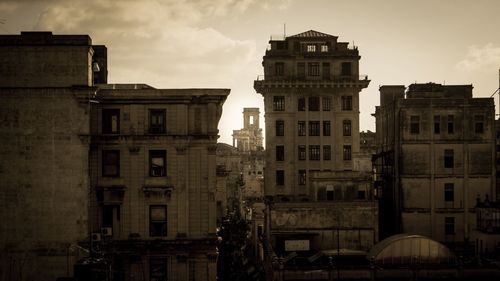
(436, 157)
(316, 199)
(159, 202)
(45, 86)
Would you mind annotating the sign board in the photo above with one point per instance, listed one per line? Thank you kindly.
(297, 245)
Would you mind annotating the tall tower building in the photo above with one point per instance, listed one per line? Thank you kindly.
(316, 200)
(311, 89)
(249, 138)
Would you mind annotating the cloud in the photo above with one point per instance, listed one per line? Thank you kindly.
(479, 57)
(167, 43)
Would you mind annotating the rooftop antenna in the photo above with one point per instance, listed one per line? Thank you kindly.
(498, 89)
(284, 30)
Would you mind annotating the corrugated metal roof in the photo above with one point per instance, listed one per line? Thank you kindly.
(312, 33)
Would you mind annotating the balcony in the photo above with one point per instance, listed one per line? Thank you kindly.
(352, 81)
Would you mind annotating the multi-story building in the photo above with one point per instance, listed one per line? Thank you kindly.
(316, 199)
(121, 172)
(46, 83)
(249, 138)
(436, 158)
(154, 180)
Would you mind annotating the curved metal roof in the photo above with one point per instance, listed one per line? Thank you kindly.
(406, 249)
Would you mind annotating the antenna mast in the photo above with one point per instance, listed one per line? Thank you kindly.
(284, 30)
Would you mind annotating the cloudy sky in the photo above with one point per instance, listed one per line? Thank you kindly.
(220, 43)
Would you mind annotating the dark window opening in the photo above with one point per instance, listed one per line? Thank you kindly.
(314, 129)
(347, 152)
(326, 128)
(157, 121)
(479, 124)
(326, 71)
(437, 124)
(157, 220)
(449, 192)
(313, 69)
(314, 152)
(302, 128)
(110, 121)
(449, 225)
(157, 163)
(279, 69)
(451, 127)
(346, 69)
(280, 177)
(110, 163)
(157, 269)
(301, 104)
(327, 152)
(313, 103)
(327, 104)
(280, 128)
(448, 158)
(302, 177)
(279, 103)
(346, 128)
(302, 152)
(280, 153)
(346, 103)
(301, 70)
(414, 125)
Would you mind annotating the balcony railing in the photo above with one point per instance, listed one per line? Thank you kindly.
(338, 78)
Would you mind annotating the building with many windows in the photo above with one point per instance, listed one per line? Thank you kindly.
(153, 180)
(316, 200)
(121, 175)
(435, 160)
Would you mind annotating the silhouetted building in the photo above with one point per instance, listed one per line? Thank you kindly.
(125, 174)
(316, 199)
(46, 85)
(436, 151)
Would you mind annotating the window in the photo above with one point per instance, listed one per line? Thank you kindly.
(157, 269)
(280, 177)
(449, 225)
(157, 121)
(313, 128)
(279, 68)
(449, 192)
(314, 153)
(157, 163)
(479, 124)
(313, 69)
(302, 152)
(448, 158)
(326, 128)
(311, 48)
(327, 152)
(451, 127)
(280, 153)
(313, 103)
(324, 48)
(437, 124)
(110, 121)
(301, 70)
(346, 69)
(361, 194)
(326, 70)
(301, 104)
(280, 128)
(346, 103)
(347, 152)
(414, 125)
(302, 177)
(157, 220)
(278, 103)
(110, 216)
(327, 104)
(346, 128)
(110, 163)
(329, 193)
(192, 270)
(302, 128)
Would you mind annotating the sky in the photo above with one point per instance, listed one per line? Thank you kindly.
(220, 43)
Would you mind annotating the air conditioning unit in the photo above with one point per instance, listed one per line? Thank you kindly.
(106, 231)
(95, 237)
